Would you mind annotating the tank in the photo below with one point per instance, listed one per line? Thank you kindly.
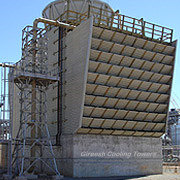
(76, 9)
(175, 134)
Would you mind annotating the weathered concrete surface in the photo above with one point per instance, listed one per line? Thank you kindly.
(108, 156)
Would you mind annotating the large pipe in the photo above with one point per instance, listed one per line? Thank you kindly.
(52, 22)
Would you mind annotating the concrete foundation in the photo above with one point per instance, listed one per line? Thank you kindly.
(106, 156)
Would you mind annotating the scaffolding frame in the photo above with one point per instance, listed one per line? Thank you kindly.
(32, 78)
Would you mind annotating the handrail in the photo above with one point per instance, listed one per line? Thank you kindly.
(119, 22)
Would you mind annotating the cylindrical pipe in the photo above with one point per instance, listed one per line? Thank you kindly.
(52, 22)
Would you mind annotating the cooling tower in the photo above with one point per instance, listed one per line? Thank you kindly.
(109, 109)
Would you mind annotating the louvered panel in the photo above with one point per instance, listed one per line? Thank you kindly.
(122, 103)
(129, 125)
(108, 123)
(162, 98)
(97, 112)
(119, 124)
(129, 40)
(128, 51)
(137, 63)
(158, 127)
(126, 61)
(109, 113)
(149, 126)
(141, 116)
(158, 57)
(111, 102)
(117, 48)
(149, 45)
(86, 121)
(169, 50)
(96, 123)
(112, 92)
(139, 43)
(168, 59)
(97, 31)
(118, 38)
(138, 53)
(107, 34)
(142, 106)
(140, 125)
(87, 111)
(98, 101)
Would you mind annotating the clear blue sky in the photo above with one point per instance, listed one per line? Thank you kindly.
(16, 14)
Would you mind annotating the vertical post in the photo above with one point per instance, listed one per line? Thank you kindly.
(99, 22)
(89, 10)
(60, 86)
(33, 120)
(33, 97)
(67, 17)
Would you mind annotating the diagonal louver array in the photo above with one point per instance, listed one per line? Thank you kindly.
(115, 83)
(128, 85)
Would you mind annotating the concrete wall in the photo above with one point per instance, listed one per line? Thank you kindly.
(106, 156)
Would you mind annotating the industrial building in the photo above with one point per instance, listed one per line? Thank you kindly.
(90, 96)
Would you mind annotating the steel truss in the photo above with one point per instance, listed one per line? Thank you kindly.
(33, 151)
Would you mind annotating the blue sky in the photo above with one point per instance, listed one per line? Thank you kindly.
(16, 14)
